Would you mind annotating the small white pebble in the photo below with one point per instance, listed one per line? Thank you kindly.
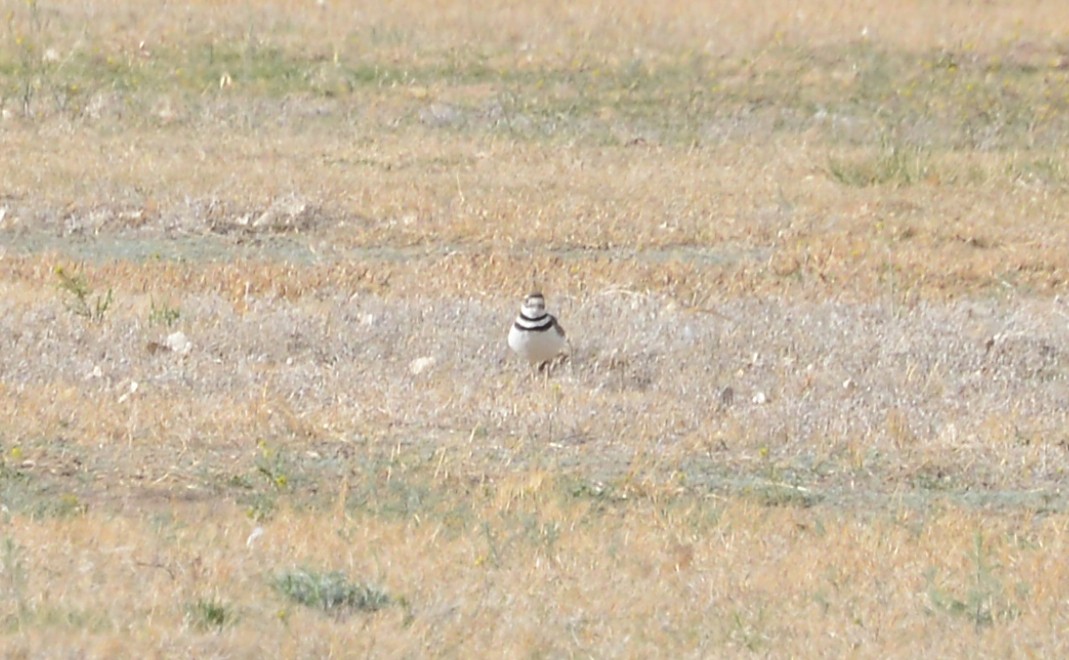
(760, 398)
(179, 343)
(419, 365)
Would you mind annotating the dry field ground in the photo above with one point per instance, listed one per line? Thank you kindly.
(258, 260)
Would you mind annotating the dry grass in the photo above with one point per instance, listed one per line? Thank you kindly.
(812, 261)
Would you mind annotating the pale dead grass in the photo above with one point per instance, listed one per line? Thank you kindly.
(542, 30)
(758, 221)
(645, 578)
(802, 416)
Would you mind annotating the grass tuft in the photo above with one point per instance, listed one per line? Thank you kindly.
(164, 314)
(330, 591)
(985, 600)
(209, 614)
(894, 164)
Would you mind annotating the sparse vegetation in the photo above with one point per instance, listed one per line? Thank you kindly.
(80, 297)
(13, 579)
(164, 314)
(813, 272)
(272, 465)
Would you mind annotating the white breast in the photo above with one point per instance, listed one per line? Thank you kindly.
(536, 347)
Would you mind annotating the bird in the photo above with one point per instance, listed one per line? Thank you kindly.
(536, 335)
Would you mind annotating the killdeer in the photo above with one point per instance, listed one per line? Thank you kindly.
(536, 335)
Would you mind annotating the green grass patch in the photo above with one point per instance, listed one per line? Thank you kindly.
(781, 495)
(21, 492)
